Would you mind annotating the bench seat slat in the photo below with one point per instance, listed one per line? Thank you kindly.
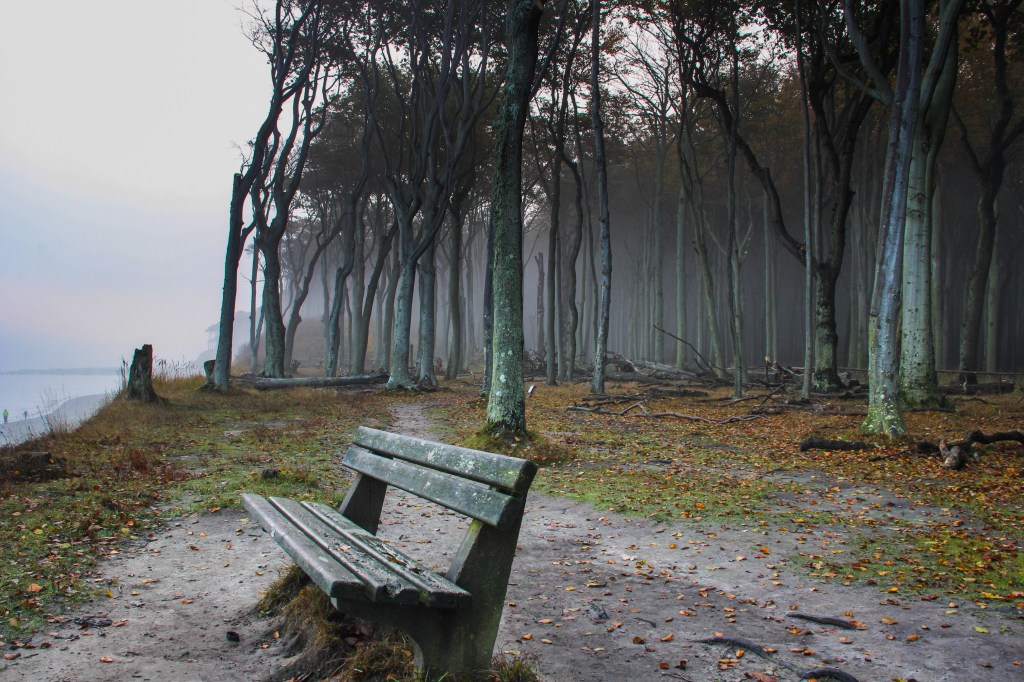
(501, 471)
(380, 583)
(328, 574)
(466, 497)
(439, 592)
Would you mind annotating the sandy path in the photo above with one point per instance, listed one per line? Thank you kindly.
(594, 596)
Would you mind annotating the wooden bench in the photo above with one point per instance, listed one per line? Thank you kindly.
(452, 619)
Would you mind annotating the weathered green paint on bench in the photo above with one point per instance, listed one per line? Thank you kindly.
(329, 575)
(451, 619)
(508, 473)
(434, 590)
(466, 497)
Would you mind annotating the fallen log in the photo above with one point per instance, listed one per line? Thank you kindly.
(676, 393)
(663, 415)
(263, 384)
(637, 378)
(991, 388)
(955, 455)
(825, 444)
(973, 437)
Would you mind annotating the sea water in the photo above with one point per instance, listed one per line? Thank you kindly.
(38, 393)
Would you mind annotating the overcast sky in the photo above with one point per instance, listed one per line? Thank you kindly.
(119, 126)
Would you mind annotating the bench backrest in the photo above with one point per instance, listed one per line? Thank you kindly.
(482, 485)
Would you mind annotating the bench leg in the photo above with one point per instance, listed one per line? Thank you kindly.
(445, 642)
(456, 641)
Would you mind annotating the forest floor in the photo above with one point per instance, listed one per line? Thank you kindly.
(643, 535)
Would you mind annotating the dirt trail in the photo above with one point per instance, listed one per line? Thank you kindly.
(594, 596)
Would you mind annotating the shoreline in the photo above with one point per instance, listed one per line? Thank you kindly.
(70, 415)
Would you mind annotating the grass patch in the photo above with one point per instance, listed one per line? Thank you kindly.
(531, 446)
(752, 474)
(108, 482)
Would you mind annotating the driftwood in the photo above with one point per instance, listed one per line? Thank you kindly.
(824, 444)
(262, 384)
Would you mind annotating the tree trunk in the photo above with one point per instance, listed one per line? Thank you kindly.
(601, 167)
(488, 316)
(455, 297)
(992, 311)
(506, 403)
(273, 361)
(885, 411)
(735, 284)
(770, 342)
(551, 334)
(255, 326)
(542, 348)
(426, 377)
(681, 277)
(386, 338)
(232, 256)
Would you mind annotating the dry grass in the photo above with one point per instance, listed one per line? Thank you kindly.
(106, 482)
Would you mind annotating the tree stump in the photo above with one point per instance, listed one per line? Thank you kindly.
(140, 376)
(210, 383)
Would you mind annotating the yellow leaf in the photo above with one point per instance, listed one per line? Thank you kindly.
(980, 629)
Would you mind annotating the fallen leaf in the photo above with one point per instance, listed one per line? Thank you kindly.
(668, 638)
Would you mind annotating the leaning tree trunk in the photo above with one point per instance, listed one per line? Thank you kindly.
(140, 376)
